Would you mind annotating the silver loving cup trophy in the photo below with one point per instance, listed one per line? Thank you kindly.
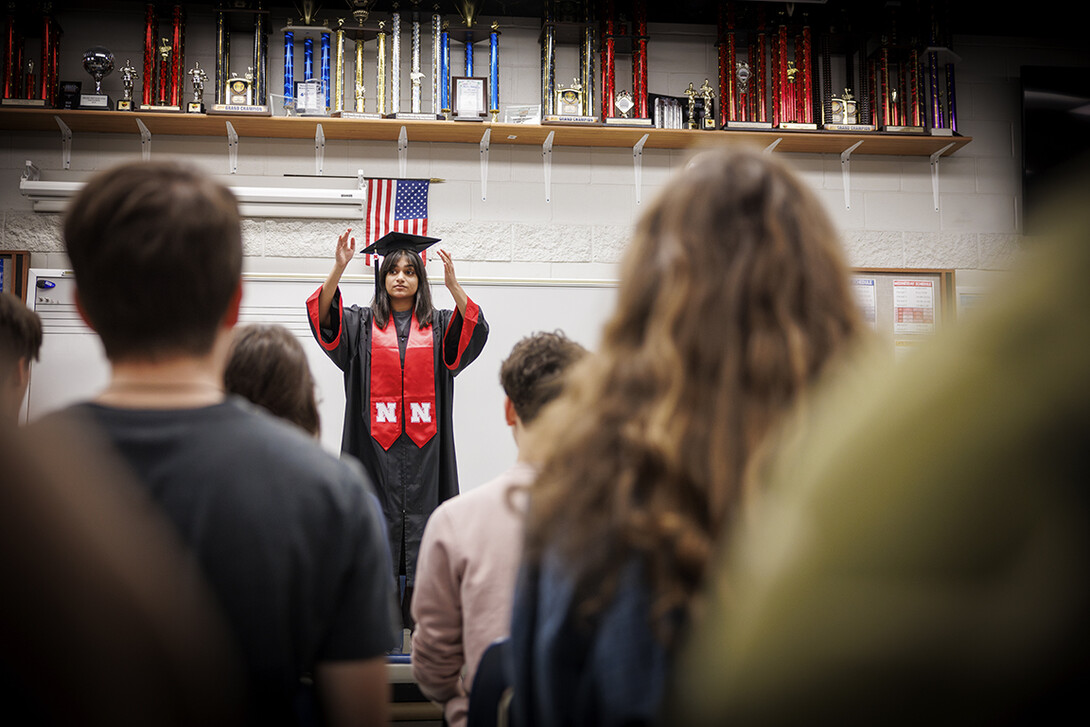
(99, 63)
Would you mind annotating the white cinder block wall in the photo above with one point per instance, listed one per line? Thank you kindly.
(582, 231)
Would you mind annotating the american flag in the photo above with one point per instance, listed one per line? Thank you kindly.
(396, 205)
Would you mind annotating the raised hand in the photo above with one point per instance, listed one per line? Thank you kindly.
(346, 248)
(451, 281)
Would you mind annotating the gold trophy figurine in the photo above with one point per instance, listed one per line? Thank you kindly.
(692, 93)
(164, 71)
(708, 119)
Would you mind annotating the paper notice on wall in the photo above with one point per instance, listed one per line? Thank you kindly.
(866, 299)
(913, 306)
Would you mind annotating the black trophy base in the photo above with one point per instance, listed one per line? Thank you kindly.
(848, 127)
(563, 119)
(195, 107)
(160, 109)
(753, 125)
(708, 124)
(95, 102)
(126, 105)
(418, 116)
(29, 103)
(360, 115)
(621, 121)
(228, 109)
(904, 129)
(941, 132)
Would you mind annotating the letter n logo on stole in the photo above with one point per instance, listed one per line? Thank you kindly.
(386, 412)
(420, 412)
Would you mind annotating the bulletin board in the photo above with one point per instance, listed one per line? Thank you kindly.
(14, 269)
(905, 305)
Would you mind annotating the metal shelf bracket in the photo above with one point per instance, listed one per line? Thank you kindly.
(485, 141)
(232, 149)
(66, 143)
(547, 156)
(402, 152)
(145, 140)
(846, 172)
(637, 160)
(935, 173)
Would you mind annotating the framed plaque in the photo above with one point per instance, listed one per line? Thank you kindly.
(469, 96)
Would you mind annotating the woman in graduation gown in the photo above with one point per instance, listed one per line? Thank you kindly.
(399, 357)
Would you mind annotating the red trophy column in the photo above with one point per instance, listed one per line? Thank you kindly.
(609, 57)
(639, 60)
(151, 32)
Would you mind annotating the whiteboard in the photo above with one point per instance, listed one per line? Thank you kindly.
(73, 366)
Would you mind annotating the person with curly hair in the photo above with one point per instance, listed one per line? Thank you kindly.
(733, 300)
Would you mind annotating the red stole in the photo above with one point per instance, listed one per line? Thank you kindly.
(395, 391)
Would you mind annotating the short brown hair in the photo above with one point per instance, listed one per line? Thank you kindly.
(157, 252)
(533, 373)
(269, 367)
(20, 333)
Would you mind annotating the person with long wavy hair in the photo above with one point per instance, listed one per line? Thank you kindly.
(733, 300)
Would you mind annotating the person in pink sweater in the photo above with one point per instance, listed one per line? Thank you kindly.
(470, 552)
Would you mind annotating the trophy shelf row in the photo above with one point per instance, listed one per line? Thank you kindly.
(468, 132)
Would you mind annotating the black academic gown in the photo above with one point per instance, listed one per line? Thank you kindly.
(410, 481)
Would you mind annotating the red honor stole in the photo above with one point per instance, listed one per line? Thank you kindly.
(395, 391)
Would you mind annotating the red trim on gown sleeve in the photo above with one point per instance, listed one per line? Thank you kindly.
(469, 323)
(315, 317)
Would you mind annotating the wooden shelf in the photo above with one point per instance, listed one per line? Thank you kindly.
(467, 132)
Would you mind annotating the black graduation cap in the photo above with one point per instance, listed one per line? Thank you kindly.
(393, 241)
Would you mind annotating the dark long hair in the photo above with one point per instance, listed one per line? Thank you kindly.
(733, 299)
(380, 305)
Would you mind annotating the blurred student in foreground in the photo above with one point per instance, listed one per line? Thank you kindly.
(922, 555)
(284, 532)
(469, 556)
(733, 300)
(20, 343)
(105, 619)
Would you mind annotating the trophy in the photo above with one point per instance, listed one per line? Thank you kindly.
(624, 103)
(128, 78)
(849, 110)
(245, 94)
(568, 105)
(197, 76)
(99, 63)
(707, 116)
(163, 57)
(240, 89)
(21, 85)
(691, 93)
(569, 100)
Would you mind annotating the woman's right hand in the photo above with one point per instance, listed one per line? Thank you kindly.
(346, 249)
